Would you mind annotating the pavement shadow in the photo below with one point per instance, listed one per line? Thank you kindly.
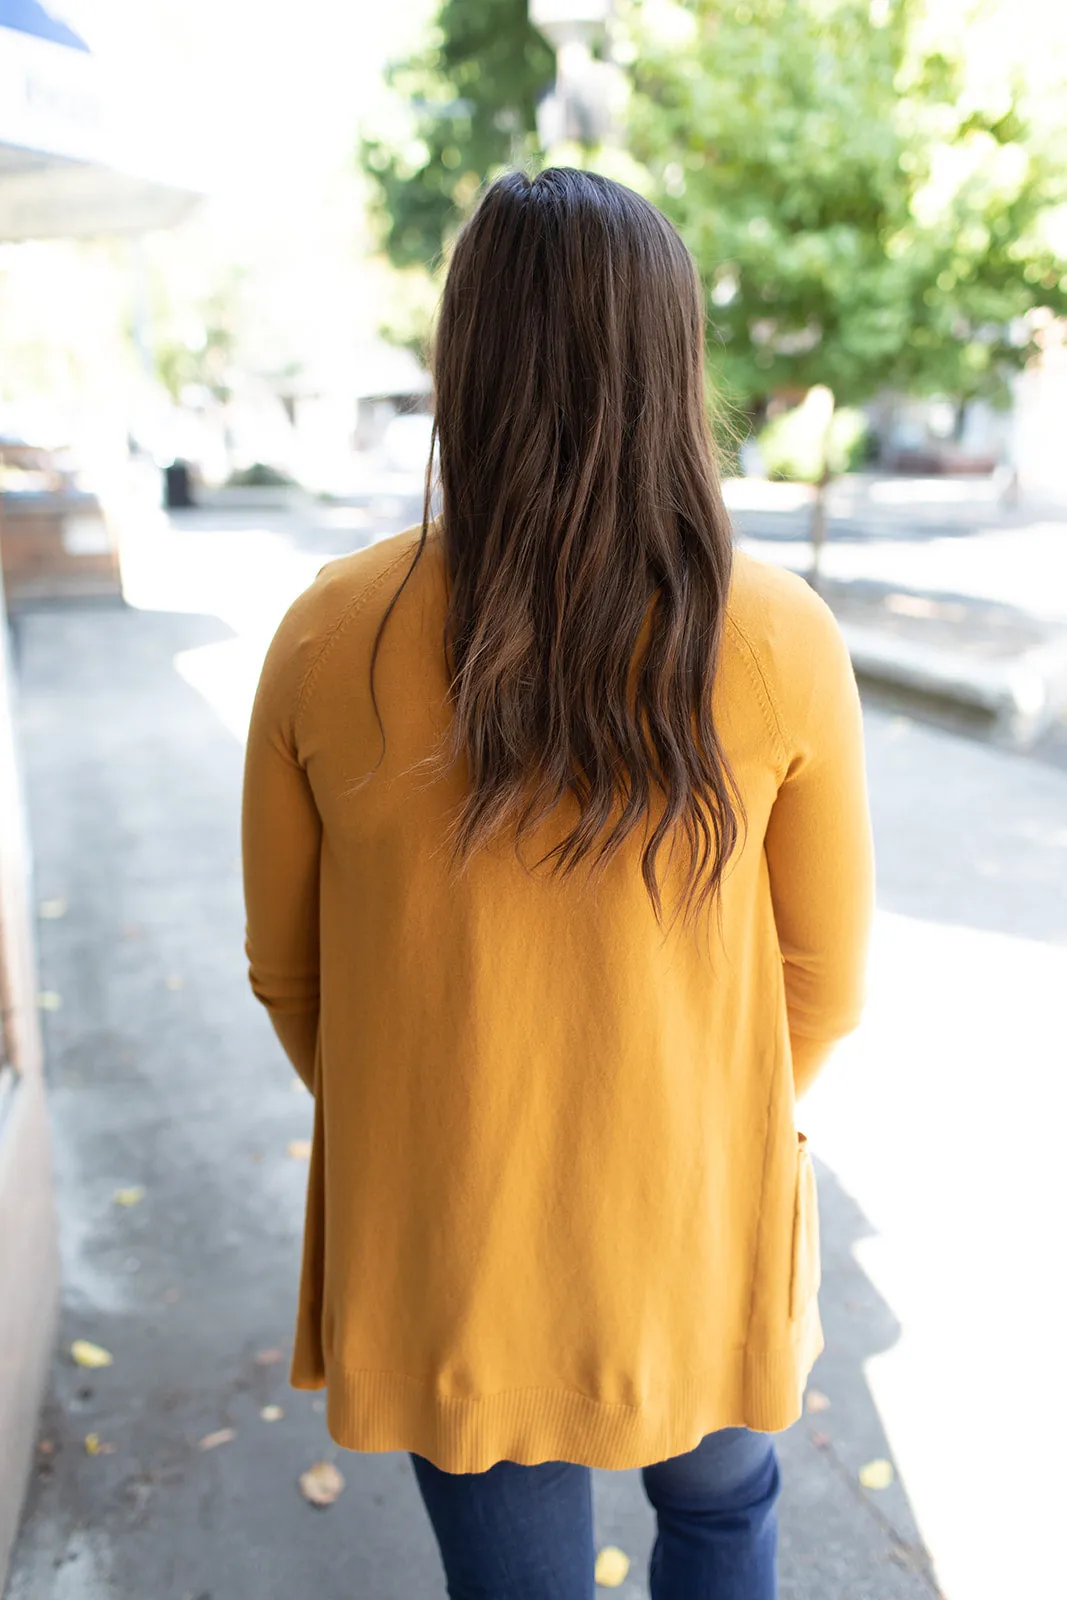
(838, 1540)
(968, 835)
(868, 1541)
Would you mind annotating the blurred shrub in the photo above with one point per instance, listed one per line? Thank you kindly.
(792, 445)
(260, 476)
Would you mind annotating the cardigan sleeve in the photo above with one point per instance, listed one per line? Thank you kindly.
(281, 834)
(818, 840)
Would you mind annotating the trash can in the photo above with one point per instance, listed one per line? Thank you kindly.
(177, 486)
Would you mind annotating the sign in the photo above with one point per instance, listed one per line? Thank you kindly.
(50, 98)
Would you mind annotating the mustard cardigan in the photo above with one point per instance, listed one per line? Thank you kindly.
(557, 1205)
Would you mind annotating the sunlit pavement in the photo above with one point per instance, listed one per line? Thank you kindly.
(939, 1126)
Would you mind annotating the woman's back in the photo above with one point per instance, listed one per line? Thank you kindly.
(557, 1207)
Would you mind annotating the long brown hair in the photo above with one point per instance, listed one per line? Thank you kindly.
(581, 518)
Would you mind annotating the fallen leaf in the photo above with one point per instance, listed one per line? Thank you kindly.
(821, 1441)
(173, 981)
(300, 1149)
(211, 1441)
(50, 909)
(93, 1447)
(321, 1484)
(272, 1413)
(128, 1197)
(87, 1354)
(877, 1474)
(612, 1565)
(817, 1401)
(268, 1358)
(49, 1000)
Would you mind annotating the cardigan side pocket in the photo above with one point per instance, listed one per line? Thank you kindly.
(806, 1266)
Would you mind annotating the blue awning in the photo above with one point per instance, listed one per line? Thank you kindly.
(74, 161)
(28, 16)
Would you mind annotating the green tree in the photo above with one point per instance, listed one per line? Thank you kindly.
(470, 99)
(859, 220)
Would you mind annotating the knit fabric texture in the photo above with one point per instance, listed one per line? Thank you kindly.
(558, 1207)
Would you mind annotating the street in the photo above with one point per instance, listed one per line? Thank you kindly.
(938, 1127)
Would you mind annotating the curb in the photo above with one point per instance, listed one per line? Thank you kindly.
(1023, 694)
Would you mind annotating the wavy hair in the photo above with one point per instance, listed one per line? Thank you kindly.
(587, 547)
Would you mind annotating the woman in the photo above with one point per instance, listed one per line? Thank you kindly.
(558, 879)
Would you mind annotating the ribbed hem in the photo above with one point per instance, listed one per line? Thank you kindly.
(374, 1411)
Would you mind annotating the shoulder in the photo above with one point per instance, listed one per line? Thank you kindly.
(791, 637)
(343, 589)
(349, 583)
(776, 610)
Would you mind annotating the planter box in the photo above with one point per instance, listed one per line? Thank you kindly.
(57, 546)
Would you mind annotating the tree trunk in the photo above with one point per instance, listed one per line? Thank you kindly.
(819, 509)
(959, 422)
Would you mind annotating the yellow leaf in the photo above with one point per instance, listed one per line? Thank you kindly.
(300, 1149)
(817, 1401)
(51, 909)
(87, 1354)
(321, 1484)
(272, 1413)
(612, 1565)
(211, 1441)
(49, 1000)
(128, 1197)
(877, 1474)
(92, 1444)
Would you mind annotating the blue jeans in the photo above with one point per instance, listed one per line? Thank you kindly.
(526, 1533)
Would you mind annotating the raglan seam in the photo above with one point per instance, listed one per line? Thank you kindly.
(336, 629)
(768, 704)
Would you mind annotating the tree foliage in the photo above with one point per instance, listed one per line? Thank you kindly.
(857, 218)
(470, 101)
(860, 214)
